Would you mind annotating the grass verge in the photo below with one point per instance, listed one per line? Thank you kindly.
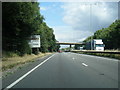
(13, 62)
(116, 56)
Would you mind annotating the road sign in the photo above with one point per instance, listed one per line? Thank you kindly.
(34, 41)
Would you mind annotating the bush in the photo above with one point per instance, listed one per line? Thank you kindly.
(9, 54)
(35, 51)
(24, 48)
(117, 56)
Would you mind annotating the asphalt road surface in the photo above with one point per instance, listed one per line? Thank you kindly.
(70, 70)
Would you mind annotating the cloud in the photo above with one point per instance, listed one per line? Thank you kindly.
(68, 34)
(43, 8)
(78, 15)
(76, 19)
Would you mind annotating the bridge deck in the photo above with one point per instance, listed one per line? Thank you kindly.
(64, 43)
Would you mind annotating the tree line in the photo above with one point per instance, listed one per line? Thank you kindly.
(20, 20)
(109, 35)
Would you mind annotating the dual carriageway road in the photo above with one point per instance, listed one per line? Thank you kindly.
(68, 70)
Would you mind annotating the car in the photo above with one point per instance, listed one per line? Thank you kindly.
(60, 51)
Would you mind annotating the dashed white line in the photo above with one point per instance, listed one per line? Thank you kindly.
(84, 64)
(18, 80)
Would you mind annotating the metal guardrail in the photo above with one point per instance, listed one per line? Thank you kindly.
(108, 52)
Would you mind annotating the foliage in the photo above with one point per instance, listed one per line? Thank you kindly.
(110, 35)
(116, 56)
(8, 54)
(20, 21)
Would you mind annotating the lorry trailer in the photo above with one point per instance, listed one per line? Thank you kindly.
(95, 44)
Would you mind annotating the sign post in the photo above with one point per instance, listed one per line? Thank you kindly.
(34, 42)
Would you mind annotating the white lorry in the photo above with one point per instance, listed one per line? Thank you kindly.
(95, 44)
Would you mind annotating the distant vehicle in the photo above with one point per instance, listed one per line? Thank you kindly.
(67, 51)
(97, 45)
(60, 51)
(81, 48)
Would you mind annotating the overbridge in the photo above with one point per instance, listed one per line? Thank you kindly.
(65, 43)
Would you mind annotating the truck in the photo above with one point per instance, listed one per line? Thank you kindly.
(80, 48)
(95, 44)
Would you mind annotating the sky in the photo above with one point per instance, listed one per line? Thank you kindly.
(75, 21)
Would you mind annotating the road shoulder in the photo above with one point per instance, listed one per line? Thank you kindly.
(21, 71)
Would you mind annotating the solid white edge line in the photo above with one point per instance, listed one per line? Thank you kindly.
(84, 64)
(18, 80)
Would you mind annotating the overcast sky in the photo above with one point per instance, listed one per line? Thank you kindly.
(71, 21)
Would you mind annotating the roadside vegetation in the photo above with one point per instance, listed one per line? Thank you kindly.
(20, 21)
(14, 62)
(10, 62)
(110, 36)
(116, 56)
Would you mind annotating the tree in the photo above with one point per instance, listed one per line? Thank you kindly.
(110, 35)
(20, 21)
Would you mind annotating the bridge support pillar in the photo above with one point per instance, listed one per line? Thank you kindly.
(70, 47)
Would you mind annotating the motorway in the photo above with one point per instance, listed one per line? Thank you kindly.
(70, 70)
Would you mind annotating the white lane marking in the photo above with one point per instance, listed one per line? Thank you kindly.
(84, 64)
(73, 58)
(18, 80)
